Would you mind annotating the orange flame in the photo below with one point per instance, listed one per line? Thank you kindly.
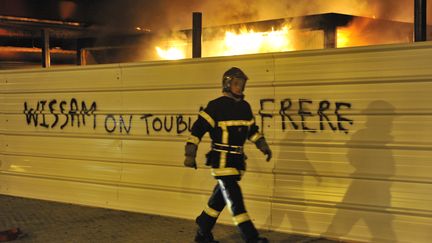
(243, 41)
(369, 31)
(353, 35)
(249, 42)
(360, 32)
(174, 50)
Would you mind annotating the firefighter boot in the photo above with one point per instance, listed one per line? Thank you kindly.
(201, 237)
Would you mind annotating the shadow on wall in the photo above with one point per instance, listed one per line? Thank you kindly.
(292, 168)
(370, 187)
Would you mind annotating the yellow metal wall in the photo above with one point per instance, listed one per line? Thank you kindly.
(351, 131)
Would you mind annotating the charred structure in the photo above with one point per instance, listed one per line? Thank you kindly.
(32, 42)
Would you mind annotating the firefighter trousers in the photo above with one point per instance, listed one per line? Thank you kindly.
(227, 192)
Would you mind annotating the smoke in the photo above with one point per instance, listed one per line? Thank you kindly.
(14, 8)
(67, 9)
(399, 10)
(165, 17)
(177, 14)
(159, 15)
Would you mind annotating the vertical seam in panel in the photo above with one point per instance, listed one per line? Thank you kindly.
(274, 163)
(120, 78)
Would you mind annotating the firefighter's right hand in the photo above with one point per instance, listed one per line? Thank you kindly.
(190, 162)
(190, 153)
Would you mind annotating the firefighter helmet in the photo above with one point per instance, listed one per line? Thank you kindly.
(229, 75)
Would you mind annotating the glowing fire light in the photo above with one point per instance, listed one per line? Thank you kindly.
(353, 34)
(245, 41)
(249, 42)
(172, 53)
(343, 37)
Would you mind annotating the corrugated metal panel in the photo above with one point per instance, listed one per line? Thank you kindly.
(113, 136)
(102, 77)
(373, 178)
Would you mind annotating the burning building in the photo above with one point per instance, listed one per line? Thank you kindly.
(350, 128)
(67, 42)
(288, 34)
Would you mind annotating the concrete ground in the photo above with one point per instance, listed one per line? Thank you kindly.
(46, 222)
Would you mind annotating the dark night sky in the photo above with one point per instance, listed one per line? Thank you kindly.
(84, 10)
(177, 14)
(116, 13)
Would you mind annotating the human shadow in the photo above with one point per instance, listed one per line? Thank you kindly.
(292, 168)
(370, 186)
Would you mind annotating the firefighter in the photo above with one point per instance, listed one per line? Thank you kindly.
(230, 121)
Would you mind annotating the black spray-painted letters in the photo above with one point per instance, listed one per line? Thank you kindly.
(301, 113)
(53, 113)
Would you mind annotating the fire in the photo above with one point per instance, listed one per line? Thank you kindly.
(172, 53)
(175, 50)
(343, 37)
(351, 35)
(361, 32)
(369, 31)
(249, 42)
(243, 41)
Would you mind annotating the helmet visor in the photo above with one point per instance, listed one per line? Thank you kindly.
(238, 85)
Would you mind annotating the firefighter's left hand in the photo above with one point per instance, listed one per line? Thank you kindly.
(262, 145)
(267, 151)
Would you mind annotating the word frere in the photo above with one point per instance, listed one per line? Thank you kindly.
(306, 111)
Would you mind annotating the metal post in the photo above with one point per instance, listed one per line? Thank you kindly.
(330, 37)
(46, 60)
(82, 57)
(81, 53)
(420, 20)
(196, 34)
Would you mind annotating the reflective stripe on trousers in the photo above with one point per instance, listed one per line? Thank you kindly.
(228, 192)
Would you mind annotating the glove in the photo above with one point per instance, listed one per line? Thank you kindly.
(190, 153)
(262, 145)
(190, 162)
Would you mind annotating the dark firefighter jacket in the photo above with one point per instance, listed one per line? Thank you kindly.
(229, 123)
